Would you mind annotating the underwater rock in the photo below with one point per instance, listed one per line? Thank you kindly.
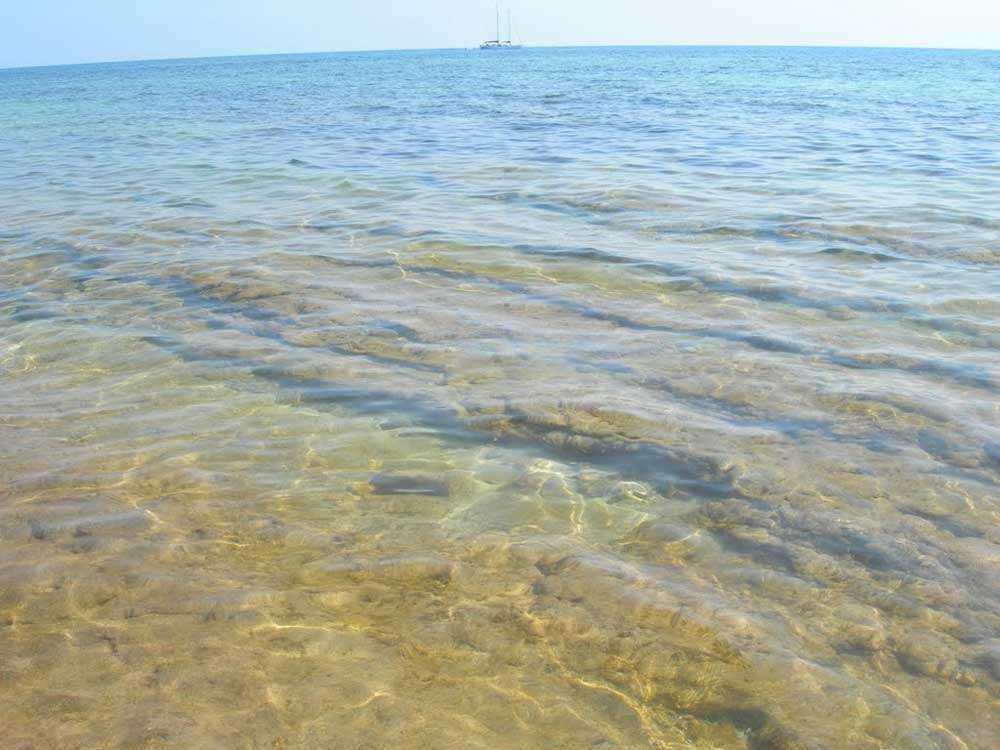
(857, 628)
(541, 552)
(82, 545)
(671, 542)
(679, 615)
(823, 568)
(860, 638)
(923, 654)
(660, 532)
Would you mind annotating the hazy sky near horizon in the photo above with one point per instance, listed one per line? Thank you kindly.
(45, 32)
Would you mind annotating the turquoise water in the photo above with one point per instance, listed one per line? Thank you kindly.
(611, 398)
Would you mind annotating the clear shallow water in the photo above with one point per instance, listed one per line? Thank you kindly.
(612, 398)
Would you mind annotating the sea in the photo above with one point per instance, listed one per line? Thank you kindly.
(607, 398)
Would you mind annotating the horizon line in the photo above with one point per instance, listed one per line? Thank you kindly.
(572, 45)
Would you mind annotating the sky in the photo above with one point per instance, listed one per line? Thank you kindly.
(49, 32)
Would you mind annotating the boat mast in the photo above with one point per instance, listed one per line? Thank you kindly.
(508, 26)
(498, 22)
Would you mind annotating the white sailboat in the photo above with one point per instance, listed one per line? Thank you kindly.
(499, 43)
